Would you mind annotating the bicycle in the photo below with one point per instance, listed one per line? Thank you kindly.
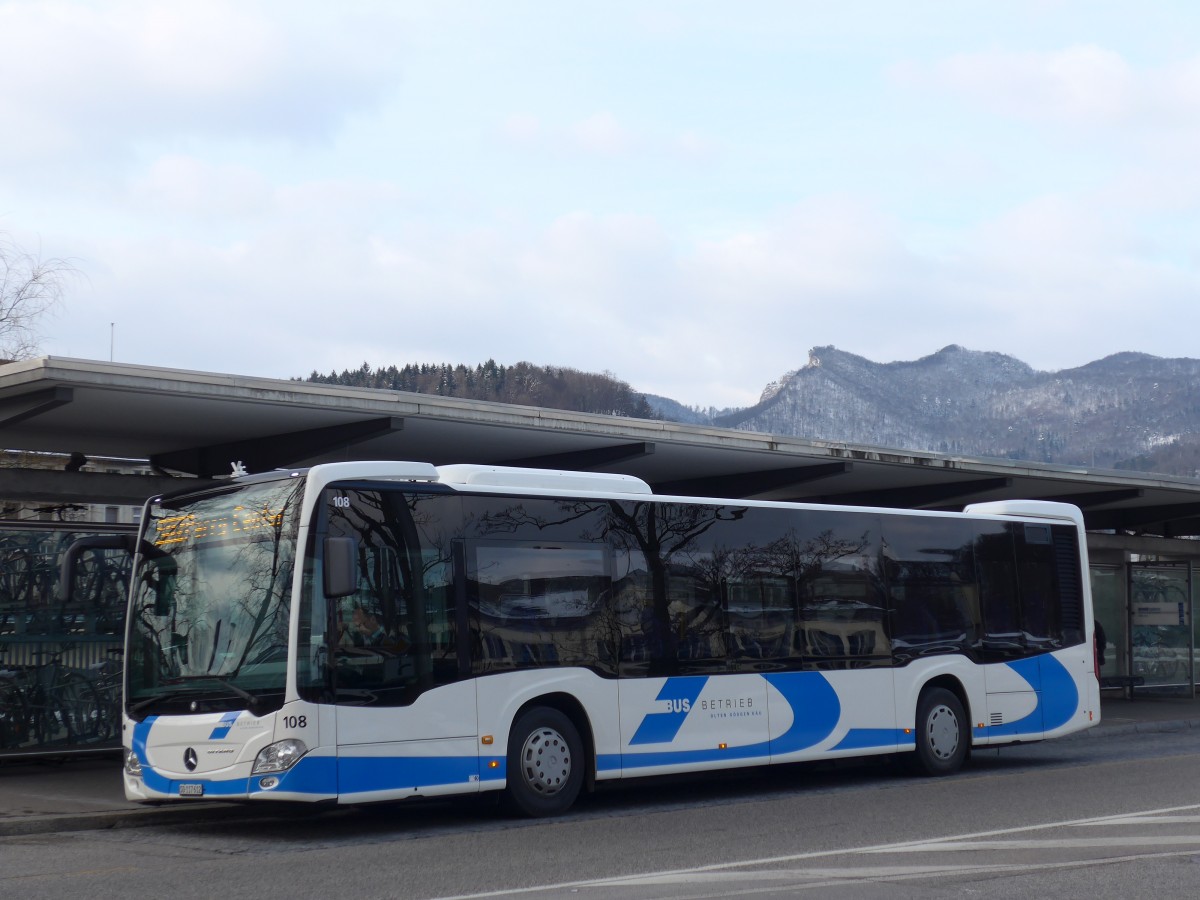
(50, 704)
(106, 677)
(29, 573)
(14, 715)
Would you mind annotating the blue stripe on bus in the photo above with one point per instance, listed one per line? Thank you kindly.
(310, 775)
(611, 761)
(815, 707)
(141, 731)
(231, 787)
(1056, 694)
(358, 774)
(815, 713)
(222, 727)
(661, 727)
(1060, 694)
(874, 738)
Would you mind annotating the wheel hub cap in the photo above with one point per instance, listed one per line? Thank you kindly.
(943, 732)
(546, 761)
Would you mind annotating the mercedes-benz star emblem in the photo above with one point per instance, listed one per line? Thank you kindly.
(189, 759)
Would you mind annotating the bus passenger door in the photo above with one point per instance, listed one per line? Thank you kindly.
(407, 722)
(426, 748)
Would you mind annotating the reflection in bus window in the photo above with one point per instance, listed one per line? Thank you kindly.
(933, 590)
(538, 605)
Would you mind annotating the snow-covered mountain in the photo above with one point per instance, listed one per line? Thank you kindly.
(1129, 410)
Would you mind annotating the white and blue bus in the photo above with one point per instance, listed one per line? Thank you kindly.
(371, 631)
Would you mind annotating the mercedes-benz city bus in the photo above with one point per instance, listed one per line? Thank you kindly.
(373, 631)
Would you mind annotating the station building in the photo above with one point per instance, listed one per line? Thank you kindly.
(86, 442)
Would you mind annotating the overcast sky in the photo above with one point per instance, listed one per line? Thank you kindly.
(689, 195)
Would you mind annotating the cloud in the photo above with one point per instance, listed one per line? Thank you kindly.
(178, 185)
(707, 322)
(522, 128)
(601, 133)
(1081, 85)
(258, 171)
(97, 79)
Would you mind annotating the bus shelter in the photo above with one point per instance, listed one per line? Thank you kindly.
(1144, 590)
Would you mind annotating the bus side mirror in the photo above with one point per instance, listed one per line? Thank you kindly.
(341, 573)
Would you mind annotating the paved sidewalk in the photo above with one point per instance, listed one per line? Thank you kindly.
(84, 793)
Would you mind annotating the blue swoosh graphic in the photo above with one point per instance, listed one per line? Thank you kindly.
(222, 728)
(1060, 695)
(1056, 693)
(661, 727)
(874, 739)
(815, 710)
(815, 714)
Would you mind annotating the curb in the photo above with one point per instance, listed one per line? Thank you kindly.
(1104, 731)
(112, 819)
(143, 817)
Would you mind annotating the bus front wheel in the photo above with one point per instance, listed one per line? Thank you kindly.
(545, 763)
(943, 737)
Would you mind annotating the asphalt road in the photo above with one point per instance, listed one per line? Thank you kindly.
(1118, 817)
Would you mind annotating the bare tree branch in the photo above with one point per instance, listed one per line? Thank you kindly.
(30, 288)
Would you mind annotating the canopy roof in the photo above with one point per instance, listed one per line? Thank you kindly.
(199, 423)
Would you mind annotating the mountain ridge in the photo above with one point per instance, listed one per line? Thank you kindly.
(1119, 411)
(1128, 410)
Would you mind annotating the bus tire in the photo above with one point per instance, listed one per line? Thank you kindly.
(545, 762)
(943, 737)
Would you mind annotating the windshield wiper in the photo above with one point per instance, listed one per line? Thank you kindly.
(251, 699)
(238, 691)
(166, 695)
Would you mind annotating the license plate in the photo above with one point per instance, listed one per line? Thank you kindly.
(191, 790)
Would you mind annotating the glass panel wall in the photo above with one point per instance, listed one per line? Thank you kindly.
(1108, 599)
(1195, 629)
(1161, 625)
(60, 663)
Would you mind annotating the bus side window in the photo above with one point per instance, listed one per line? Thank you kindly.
(1049, 581)
(760, 611)
(1003, 637)
(540, 604)
(932, 583)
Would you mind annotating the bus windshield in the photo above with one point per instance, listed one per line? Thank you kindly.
(209, 613)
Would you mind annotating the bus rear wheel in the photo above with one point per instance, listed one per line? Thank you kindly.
(943, 738)
(545, 762)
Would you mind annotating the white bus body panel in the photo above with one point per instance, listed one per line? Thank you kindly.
(210, 756)
(428, 748)
(643, 726)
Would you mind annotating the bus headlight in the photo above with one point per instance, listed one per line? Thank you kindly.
(280, 756)
(133, 765)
